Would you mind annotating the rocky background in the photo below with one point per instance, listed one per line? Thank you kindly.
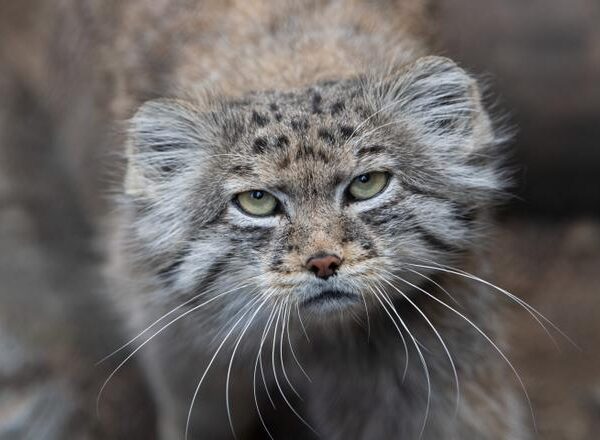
(541, 58)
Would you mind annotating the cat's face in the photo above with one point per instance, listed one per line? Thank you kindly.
(315, 196)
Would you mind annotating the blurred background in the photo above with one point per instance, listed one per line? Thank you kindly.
(541, 58)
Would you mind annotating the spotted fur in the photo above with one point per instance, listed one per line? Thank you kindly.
(192, 249)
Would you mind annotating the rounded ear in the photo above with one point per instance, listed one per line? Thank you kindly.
(440, 101)
(161, 135)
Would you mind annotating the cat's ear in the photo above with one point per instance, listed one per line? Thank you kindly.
(161, 136)
(440, 103)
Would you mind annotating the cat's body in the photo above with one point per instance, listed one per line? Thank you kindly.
(298, 100)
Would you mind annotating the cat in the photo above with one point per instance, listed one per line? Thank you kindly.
(306, 194)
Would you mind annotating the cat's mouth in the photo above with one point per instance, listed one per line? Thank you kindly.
(330, 297)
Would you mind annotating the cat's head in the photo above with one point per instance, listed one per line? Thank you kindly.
(314, 196)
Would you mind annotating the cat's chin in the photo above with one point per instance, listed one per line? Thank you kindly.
(330, 300)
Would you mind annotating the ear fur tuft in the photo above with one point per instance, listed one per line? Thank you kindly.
(442, 103)
(160, 137)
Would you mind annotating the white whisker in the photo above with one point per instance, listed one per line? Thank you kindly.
(282, 335)
(160, 330)
(437, 334)
(421, 358)
(301, 322)
(265, 331)
(368, 318)
(277, 383)
(143, 332)
(259, 355)
(237, 343)
(438, 285)
(488, 339)
(206, 370)
(534, 313)
(287, 331)
(399, 333)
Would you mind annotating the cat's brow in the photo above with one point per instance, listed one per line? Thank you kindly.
(370, 150)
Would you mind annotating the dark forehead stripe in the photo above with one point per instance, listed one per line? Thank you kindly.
(306, 151)
(260, 144)
(259, 119)
(283, 141)
(326, 135)
(346, 131)
(337, 108)
(241, 169)
(317, 100)
(275, 110)
(299, 124)
(368, 150)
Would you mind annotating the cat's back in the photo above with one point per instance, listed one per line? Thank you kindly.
(160, 48)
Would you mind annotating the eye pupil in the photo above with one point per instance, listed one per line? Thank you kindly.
(256, 202)
(368, 185)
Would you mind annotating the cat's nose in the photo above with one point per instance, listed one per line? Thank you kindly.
(323, 266)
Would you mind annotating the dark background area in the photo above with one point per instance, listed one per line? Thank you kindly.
(541, 59)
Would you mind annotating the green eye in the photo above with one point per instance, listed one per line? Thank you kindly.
(368, 185)
(257, 203)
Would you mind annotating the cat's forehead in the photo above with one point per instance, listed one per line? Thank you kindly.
(298, 139)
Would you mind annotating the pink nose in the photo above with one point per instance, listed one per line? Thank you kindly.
(323, 266)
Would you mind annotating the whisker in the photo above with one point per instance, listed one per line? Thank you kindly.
(397, 329)
(277, 383)
(421, 357)
(282, 334)
(259, 355)
(534, 313)
(438, 285)
(488, 339)
(301, 322)
(287, 330)
(160, 330)
(260, 417)
(437, 334)
(143, 332)
(206, 370)
(265, 298)
(368, 319)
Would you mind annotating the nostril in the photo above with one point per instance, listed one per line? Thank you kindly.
(324, 266)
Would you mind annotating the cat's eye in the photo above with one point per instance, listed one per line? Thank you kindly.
(368, 185)
(257, 203)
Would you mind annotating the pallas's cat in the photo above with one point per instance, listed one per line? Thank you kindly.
(303, 202)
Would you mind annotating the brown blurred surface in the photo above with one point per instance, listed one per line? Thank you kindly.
(555, 267)
(542, 58)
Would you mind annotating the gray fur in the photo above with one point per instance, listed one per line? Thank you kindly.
(181, 236)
